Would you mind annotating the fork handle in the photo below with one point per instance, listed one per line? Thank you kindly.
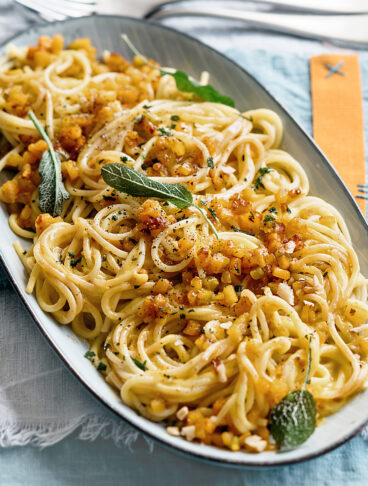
(325, 6)
(346, 28)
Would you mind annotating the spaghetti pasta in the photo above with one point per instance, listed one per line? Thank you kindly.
(205, 334)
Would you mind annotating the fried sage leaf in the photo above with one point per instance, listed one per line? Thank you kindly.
(293, 420)
(127, 180)
(183, 82)
(52, 192)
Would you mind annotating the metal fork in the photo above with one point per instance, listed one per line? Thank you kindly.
(364, 189)
(350, 29)
(62, 9)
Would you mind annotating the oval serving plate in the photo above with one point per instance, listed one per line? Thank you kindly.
(171, 48)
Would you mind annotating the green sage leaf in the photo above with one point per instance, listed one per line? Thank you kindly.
(183, 83)
(206, 92)
(52, 192)
(293, 420)
(128, 180)
(125, 179)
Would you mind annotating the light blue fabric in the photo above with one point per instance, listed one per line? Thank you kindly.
(100, 463)
(73, 462)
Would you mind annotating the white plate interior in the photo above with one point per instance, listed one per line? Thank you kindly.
(177, 50)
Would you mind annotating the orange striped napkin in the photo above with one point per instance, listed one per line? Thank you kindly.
(338, 115)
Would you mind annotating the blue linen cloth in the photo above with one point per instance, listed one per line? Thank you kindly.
(286, 75)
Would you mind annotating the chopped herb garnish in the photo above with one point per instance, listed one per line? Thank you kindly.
(101, 367)
(74, 262)
(147, 107)
(262, 171)
(288, 210)
(124, 159)
(268, 218)
(114, 217)
(140, 365)
(174, 117)
(213, 213)
(234, 228)
(210, 162)
(238, 288)
(182, 316)
(108, 198)
(71, 254)
(164, 132)
(89, 354)
(272, 210)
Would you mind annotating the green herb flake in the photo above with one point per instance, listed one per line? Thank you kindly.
(268, 218)
(237, 230)
(262, 171)
(174, 118)
(74, 262)
(164, 132)
(288, 210)
(140, 365)
(101, 367)
(89, 354)
(238, 288)
(210, 163)
(213, 213)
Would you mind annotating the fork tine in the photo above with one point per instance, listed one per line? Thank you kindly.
(362, 185)
(59, 9)
(362, 197)
(68, 8)
(363, 190)
(45, 12)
